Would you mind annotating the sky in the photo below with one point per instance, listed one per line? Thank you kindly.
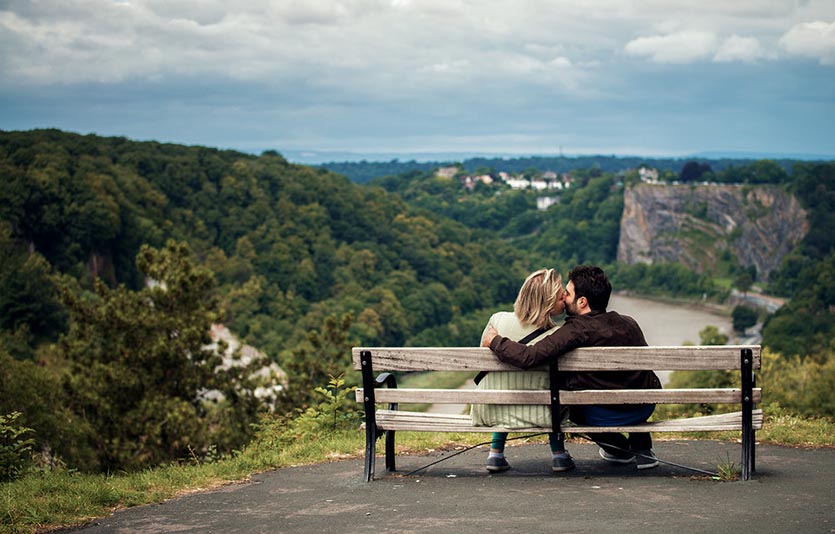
(311, 77)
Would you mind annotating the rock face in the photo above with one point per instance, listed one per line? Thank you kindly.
(695, 225)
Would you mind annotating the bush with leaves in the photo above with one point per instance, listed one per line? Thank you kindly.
(326, 353)
(15, 447)
(335, 411)
(744, 317)
(801, 385)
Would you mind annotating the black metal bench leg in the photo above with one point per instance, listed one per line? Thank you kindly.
(370, 452)
(390, 451)
(753, 432)
(746, 453)
(747, 371)
(370, 416)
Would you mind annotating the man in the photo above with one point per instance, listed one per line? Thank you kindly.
(588, 324)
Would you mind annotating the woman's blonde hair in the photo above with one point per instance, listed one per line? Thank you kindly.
(537, 297)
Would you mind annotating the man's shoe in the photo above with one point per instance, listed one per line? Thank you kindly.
(562, 463)
(623, 458)
(497, 465)
(646, 459)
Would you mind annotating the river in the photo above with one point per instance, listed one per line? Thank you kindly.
(666, 323)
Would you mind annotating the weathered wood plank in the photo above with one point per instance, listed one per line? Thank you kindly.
(585, 359)
(425, 422)
(621, 396)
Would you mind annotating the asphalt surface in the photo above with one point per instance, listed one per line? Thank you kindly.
(793, 491)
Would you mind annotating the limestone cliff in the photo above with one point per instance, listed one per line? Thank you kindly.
(694, 225)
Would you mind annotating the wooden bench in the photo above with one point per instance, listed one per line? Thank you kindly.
(388, 420)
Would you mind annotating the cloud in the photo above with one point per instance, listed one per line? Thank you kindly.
(372, 72)
(811, 39)
(681, 47)
(736, 48)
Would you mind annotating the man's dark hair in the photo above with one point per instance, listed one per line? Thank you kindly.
(590, 281)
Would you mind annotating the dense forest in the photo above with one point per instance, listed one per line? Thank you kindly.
(289, 254)
(117, 256)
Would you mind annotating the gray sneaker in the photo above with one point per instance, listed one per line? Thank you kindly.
(646, 459)
(497, 465)
(564, 463)
(623, 458)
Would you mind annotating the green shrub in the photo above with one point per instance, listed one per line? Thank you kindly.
(15, 448)
(743, 317)
(802, 386)
(336, 412)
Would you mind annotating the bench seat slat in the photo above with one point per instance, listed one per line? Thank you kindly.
(431, 422)
(725, 357)
(621, 396)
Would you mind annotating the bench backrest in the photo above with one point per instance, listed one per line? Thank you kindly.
(676, 358)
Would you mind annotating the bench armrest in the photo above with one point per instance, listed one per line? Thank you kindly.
(387, 379)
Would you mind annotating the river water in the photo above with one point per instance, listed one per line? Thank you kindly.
(669, 323)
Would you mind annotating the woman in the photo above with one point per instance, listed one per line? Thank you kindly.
(540, 297)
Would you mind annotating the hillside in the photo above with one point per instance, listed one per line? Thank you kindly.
(298, 262)
(285, 238)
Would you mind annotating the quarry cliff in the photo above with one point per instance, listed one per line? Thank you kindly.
(700, 225)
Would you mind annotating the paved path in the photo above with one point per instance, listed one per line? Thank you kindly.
(793, 492)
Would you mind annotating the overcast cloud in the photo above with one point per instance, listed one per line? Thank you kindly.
(647, 77)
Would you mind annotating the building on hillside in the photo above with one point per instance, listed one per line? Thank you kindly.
(447, 172)
(518, 183)
(538, 184)
(566, 180)
(648, 175)
(469, 181)
(543, 203)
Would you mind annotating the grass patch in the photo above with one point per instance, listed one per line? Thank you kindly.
(723, 283)
(728, 470)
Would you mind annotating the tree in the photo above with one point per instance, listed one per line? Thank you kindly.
(693, 171)
(327, 353)
(141, 363)
(28, 295)
(710, 335)
(743, 317)
(744, 281)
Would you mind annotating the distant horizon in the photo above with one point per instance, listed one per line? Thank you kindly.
(319, 157)
(314, 157)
